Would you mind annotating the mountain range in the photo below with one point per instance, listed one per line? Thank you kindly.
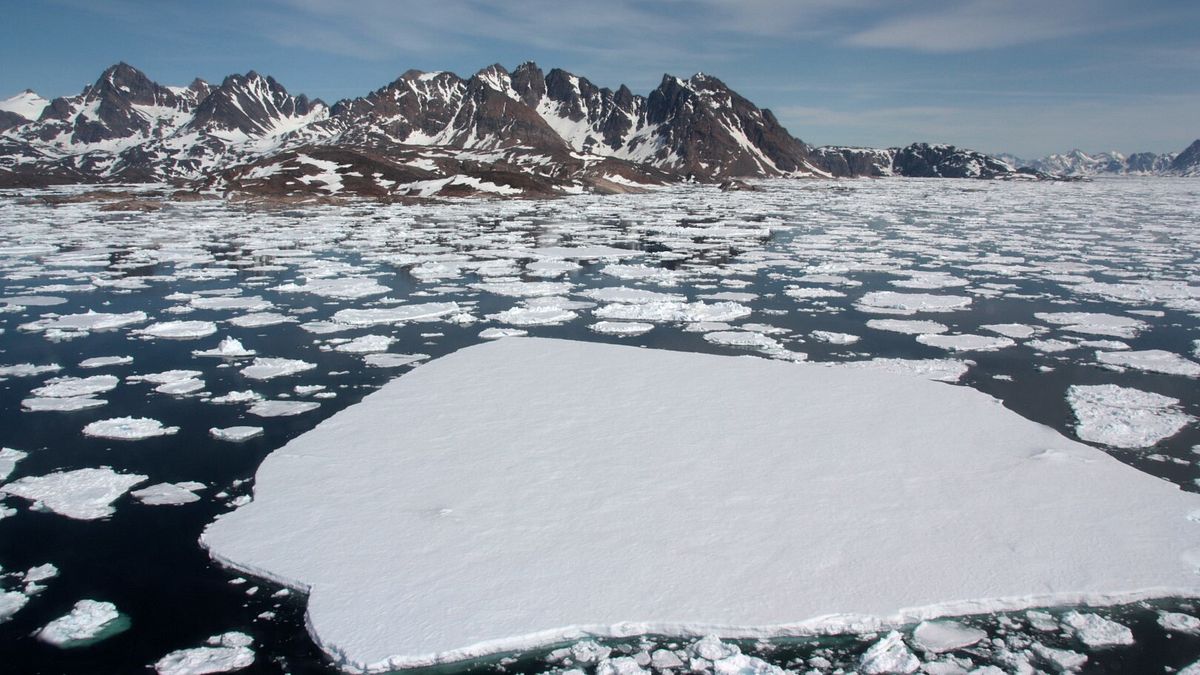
(1080, 163)
(519, 133)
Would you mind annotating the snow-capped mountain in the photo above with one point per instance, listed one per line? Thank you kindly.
(1079, 163)
(520, 132)
(919, 160)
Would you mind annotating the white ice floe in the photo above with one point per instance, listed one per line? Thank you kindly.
(533, 316)
(928, 280)
(366, 344)
(562, 452)
(1094, 323)
(966, 342)
(128, 428)
(1019, 331)
(891, 302)
(524, 289)
(179, 330)
(64, 387)
(662, 311)
(1052, 346)
(908, 326)
(247, 303)
(1059, 660)
(235, 434)
(1178, 622)
(222, 654)
(88, 321)
(650, 273)
(1094, 630)
(834, 338)
(393, 360)
(809, 293)
(1151, 360)
(169, 494)
(282, 408)
(945, 636)
(88, 622)
(246, 396)
(228, 348)
(28, 370)
(67, 404)
(266, 368)
(497, 333)
(106, 361)
(83, 494)
(260, 320)
(378, 316)
(8, 461)
(889, 655)
(343, 288)
(621, 327)
(631, 296)
(1123, 417)
(741, 338)
(11, 602)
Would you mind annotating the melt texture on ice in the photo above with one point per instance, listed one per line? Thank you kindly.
(88, 621)
(83, 494)
(501, 475)
(1124, 417)
(224, 653)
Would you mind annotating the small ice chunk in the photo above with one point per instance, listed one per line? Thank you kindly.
(83, 494)
(1061, 660)
(179, 330)
(128, 428)
(393, 360)
(1151, 360)
(1018, 331)
(260, 320)
(66, 387)
(889, 655)
(169, 494)
(630, 296)
(11, 602)
(343, 288)
(282, 408)
(69, 404)
(246, 396)
(367, 344)
(497, 333)
(538, 316)
(809, 293)
(834, 338)
(1123, 417)
(265, 368)
(235, 434)
(88, 622)
(908, 327)
(223, 654)
(621, 327)
(966, 342)
(182, 387)
(8, 461)
(228, 348)
(674, 311)
(910, 303)
(105, 361)
(39, 573)
(1094, 630)
(739, 338)
(28, 370)
(945, 636)
(1178, 622)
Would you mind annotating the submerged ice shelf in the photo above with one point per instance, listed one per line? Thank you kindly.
(571, 488)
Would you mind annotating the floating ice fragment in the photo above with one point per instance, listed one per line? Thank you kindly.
(497, 333)
(621, 327)
(945, 636)
(661, 311)
(1094, 630)
(1094, 323)
(344, 288)
(908, 327)
(64, 387)
(266, 368)
(11, 602)
(539, 316)
(834, 338)
(8, 461)
(128, 428)
(246, 396)
(228, 348)
(68, 404)
(169, 494)
(83, 494)
(1019, 331)
(966, 342)
(911, 303)
(738, 338)
(1060, 660)
(105, 361)
(393, 360)
(224, 654)
(889, 655)
(88, 622)
(282, 408)
(1178, 622)
(28, 370)
(1123, 417)
(366, 344)
(1151, 360)
(235, 434)
(179, 330)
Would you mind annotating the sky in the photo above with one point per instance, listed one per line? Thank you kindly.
(1027, 77)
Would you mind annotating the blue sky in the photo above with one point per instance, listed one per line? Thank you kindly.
(1023, 76)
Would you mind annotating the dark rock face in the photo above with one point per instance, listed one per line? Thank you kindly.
(8, 120)
(248, 103)
(922, 160)
(843, 162)
(1187, 163)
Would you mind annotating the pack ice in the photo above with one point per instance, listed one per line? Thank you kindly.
(526, 491)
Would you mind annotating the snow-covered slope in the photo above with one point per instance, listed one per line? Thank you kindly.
(28, 104)
(1113, 163)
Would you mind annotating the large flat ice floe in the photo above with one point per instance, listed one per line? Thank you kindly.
(571, 488)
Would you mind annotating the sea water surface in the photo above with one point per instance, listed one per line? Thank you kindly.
(793, 270)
